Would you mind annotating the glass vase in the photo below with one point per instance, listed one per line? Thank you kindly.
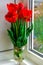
(19, 55)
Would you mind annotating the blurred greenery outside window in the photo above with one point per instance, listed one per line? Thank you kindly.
(38, 27)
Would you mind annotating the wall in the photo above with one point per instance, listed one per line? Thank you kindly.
(5, 42)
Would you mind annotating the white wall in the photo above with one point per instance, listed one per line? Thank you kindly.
(5, 42)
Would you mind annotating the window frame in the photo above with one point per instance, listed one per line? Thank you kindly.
(33, 54)
(31, 35)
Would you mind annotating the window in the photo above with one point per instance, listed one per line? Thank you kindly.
(38, 27)
(33, 53)
(36, 37)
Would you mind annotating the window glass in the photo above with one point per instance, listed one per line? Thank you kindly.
(38, 26)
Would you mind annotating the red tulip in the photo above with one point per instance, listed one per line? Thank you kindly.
(17, 11)
(25, 14)
(11, 17)
(12, 7)
(20, 6)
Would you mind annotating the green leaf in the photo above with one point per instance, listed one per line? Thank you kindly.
(25, 29)
(19, 42)
(24, 41)
(28, 31)
(14, 30)
(10, 33)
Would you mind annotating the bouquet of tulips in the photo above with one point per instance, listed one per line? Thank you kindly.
(18, 16)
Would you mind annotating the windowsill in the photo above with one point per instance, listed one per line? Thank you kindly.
(35, 58)
(4, 56)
